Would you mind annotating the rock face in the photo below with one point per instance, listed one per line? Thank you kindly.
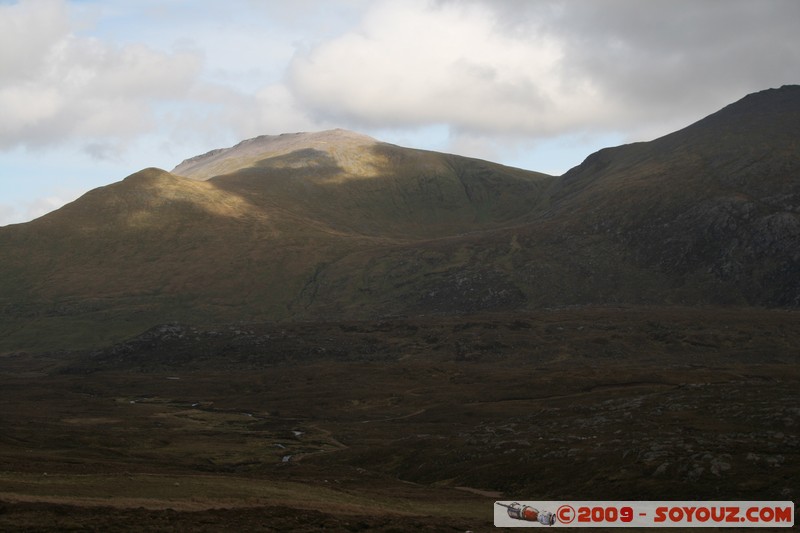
(331, 225)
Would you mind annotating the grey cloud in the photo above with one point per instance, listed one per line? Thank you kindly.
(645, 67)
(656, 58)
(103, 151)
(506, 68)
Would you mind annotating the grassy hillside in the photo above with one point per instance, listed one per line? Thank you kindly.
(248, 245)
(714, 206)
(338, 225)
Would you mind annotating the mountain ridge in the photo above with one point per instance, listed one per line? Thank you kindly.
(336, 224)
(251, 151)
(725, 188)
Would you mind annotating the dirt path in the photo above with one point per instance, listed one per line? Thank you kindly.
(594, 390)
(415, 413)
(296, 458)
(480, 492)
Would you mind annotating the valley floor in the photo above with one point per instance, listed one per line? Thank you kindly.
(401, 424)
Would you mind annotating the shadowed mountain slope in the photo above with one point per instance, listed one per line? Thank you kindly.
(335, 225)
(715, 205)
(245, 245)
(356, 185)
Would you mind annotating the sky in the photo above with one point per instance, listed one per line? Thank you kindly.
(94, 90)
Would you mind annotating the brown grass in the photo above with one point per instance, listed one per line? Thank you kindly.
(413, 421)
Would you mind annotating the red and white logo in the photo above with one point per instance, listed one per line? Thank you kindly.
(758, 514)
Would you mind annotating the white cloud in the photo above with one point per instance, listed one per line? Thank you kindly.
(482, 69)
(42, 206)
(36, 207)
(275, 109)
(421, 62)
(545, 68)
(119, 85)
(73, 87)
(28, 31)
(9, 215)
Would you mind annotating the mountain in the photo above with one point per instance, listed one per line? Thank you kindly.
(330, 225)
(247, 244)
(715, 205)
(352, 184)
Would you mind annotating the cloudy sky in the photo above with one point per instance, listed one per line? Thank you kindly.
(93, 90)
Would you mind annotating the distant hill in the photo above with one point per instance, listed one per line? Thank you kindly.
(335, 225)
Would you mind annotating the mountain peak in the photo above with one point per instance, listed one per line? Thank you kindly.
(754, 127)
(772, 95)
(249, 152)
(758, 117)
(336, 224)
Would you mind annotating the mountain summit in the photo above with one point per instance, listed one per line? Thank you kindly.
(335, 224)
(716, 202)
(340, 146)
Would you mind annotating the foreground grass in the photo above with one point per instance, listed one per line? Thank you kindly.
(402, 424)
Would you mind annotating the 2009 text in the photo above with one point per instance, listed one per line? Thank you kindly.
(646, 513)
